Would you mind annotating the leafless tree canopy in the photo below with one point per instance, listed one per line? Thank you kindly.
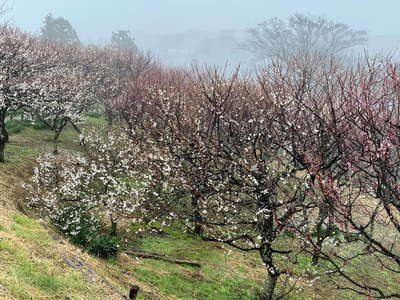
(5, 8)
(301, 35)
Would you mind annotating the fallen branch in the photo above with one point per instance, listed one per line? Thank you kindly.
(162, 256)
(145, 252)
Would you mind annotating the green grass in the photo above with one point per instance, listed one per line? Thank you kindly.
(225, 272)
(27, 277)
(16, 126)
(96, 114)
(29, 229)
(28, 140)
(17, 153)
(29, 268)
(32, 274)
(218, 278)
(230, 274)
(23, 220)
(193, 284)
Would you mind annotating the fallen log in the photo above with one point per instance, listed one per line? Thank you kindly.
(161, 256)
(145, 252)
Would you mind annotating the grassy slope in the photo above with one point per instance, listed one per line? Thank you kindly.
(35, 263)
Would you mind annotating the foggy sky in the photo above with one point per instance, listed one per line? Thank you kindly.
(97, 18)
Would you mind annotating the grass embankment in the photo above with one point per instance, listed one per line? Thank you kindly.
(36, 263)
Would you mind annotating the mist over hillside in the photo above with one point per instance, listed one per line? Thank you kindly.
(223, 47)
(196, 45)
(180, 32)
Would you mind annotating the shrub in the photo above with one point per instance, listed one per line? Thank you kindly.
(104, 246)
(82, 228)
(77, 224)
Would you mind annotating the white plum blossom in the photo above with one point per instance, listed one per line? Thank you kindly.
(106, 179)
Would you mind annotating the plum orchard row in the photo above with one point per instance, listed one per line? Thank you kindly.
(304, 152)
(293, 160)
(55, 83)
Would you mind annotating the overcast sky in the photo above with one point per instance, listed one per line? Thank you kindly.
(97, 18)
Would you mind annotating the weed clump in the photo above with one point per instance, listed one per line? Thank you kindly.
(83, 228)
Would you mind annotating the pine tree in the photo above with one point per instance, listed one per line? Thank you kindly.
(59, 30)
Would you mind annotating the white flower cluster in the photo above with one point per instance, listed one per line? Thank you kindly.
(105, 180)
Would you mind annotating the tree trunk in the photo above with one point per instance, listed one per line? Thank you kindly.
(58, 126)
(79, 131)
(3, 130)
(268, 290)
(3, 134)
(198, 228)
(2, 146)
(56, 135)
(317, 251)
(113, 227)
(266, 227)
(57, 132)
(321, 235)
(109, 117)
(371, 233)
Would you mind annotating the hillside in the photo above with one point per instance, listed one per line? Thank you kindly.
(37, 263)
